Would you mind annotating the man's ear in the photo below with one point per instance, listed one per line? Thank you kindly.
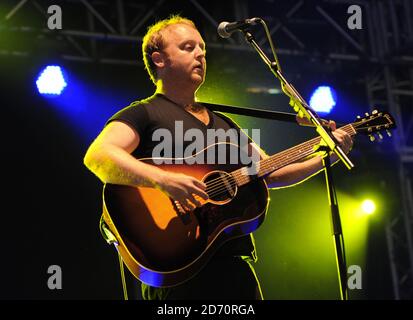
(158, 59)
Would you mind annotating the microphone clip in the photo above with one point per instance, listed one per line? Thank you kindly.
(226, 29)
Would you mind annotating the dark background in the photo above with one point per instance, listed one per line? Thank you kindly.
(52, 203)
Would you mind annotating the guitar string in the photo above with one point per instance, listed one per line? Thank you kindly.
(216, 191)
(350, 128)
(290, 153)
(279, 155)
(347, 128)
(267, 163)
(218, 188)
(218, 185)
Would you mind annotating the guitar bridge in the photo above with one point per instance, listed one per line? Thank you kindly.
(181, 212)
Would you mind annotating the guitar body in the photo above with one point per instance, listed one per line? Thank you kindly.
(162, 245)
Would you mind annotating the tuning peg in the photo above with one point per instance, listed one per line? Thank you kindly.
(358, 117)
(372, 138)
(375, 112)
(367, 114)
(380, 135)
(388, 133)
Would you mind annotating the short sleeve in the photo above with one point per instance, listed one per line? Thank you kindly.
(135, 115)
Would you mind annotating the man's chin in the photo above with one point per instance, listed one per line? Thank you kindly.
(198, 79)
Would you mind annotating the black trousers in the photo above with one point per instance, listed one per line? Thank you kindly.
(223, 278)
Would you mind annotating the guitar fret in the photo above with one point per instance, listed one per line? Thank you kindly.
(284, 158)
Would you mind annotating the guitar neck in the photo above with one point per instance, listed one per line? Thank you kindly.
(283, 158)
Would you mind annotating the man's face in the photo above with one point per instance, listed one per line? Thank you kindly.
(184, 53)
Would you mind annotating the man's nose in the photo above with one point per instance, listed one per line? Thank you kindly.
(199, 52)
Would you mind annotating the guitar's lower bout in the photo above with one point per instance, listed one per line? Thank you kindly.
(163, 247)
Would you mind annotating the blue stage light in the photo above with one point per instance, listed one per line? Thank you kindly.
(323, 99)
(51, 81)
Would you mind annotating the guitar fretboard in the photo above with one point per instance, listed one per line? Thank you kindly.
(283, 158)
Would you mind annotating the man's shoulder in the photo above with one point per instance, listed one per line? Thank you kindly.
(142, 102)
(139, 105)
(137, 109)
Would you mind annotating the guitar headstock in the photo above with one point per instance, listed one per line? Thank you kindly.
(375, 124)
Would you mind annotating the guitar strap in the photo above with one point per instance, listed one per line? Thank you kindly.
(111, 239)
(258, 113)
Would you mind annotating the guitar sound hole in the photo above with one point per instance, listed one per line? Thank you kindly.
(221, 186)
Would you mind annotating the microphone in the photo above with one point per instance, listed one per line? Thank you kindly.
(225, 29)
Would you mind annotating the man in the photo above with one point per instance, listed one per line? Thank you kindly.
(174, 56)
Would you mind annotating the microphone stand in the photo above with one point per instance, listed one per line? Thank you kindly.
(302, 108)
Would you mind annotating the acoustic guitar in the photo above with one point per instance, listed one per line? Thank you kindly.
(163, 244)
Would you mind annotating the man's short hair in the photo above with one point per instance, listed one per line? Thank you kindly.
(153, 41)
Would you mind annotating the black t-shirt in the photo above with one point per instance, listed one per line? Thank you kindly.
(158, 113)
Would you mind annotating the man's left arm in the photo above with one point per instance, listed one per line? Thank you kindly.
(300, 171)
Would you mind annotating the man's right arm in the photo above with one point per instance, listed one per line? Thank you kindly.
(109, 158)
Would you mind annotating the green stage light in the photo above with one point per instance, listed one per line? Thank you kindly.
(368, 206)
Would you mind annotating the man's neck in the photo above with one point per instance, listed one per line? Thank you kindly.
(184, 98)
